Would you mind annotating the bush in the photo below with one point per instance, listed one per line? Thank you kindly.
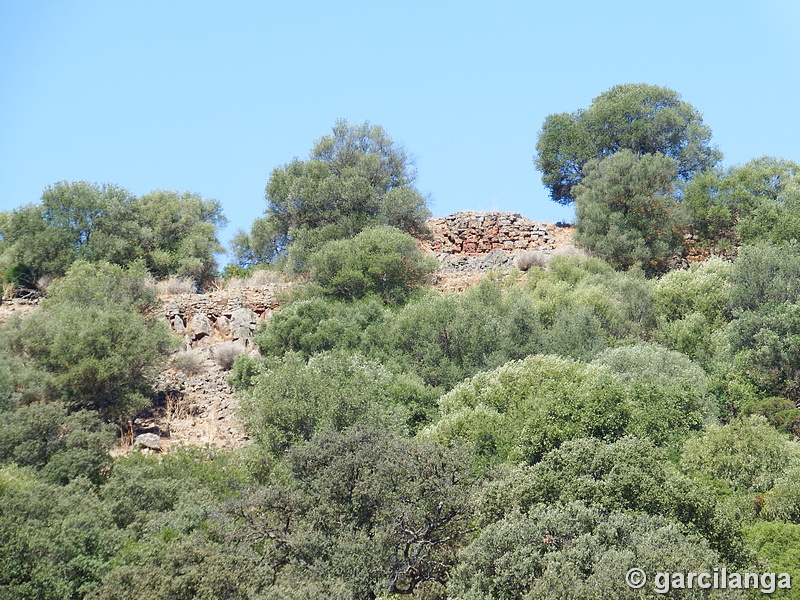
(225, 353)
(577, 552)
(526, 408)
(316, 325)
(189, 362)
(629, 474)
(383, 261)
(668, 394)
(532, 258)
(60, 445)
(293, 400)
(746, 454)
(624, 210)
(765, 335)
(176, 285)
(88, 345)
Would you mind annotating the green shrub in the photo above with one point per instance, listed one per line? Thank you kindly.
(316, 325)
(629, 474)
(291, 401)
(625, 213)
(383, 261)
(746, 454)
(522, 410)
(577, 552)
(88, 345)
(59, 445)
(668, 394)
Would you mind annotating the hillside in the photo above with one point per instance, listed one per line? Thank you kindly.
(195, 404)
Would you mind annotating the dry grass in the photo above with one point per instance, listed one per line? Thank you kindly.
(189, 362)
(176, 285)
(571, 251)
(176, 406)
(225, 353)
(532, 258)
(259, 278)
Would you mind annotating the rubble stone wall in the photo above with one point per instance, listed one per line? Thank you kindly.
(222, 315)
(477, 233)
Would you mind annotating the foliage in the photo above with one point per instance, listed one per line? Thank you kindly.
(644, 119)
(778, 545)
(363, 510)
(628, 474)
(745, 454)
(757, 201)
(625, 213)
(668, 394)
(88, 345)
(354, 179)
(316, 325)
(765, 335)
(61, 446)
(294, 399)
(526, 408)
(172, 233)
(382, 260)
(693, 307)
(194, 567)
(576, 552)
(56, 542)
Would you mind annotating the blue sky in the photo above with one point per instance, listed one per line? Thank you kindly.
(210, 97)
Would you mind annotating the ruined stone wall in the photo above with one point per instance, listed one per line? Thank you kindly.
(477, 233)
(222, 315)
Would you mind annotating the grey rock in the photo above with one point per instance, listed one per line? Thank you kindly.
(200, 326)
(243, 317)
(177, 324)
(223, 325)
(148, 440)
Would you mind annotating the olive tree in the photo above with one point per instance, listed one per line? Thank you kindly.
(645, 119)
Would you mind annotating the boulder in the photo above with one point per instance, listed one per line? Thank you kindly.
(200, 326)
(147, 440)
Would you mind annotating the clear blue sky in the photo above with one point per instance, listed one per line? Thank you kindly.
(210, 96)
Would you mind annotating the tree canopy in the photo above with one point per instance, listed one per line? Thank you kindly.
(644, 119)
(173, 234)
(625, 213)
(354, 179)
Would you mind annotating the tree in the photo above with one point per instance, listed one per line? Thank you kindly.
(764, 336)
(628, 474)
(178, 234)
(520, 411)
(381, 260)
(644, 119)
(757, 201)
(354, 179)
(745, 454)
(174, 234)
(577, 552)
(93, 348)
(365, 511)
(625, 213)
(293, 400)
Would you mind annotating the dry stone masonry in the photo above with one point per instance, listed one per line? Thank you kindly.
(202, 319)
(472, 241)
(477, 233)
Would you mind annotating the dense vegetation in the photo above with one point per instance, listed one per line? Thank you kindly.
(533, 437)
